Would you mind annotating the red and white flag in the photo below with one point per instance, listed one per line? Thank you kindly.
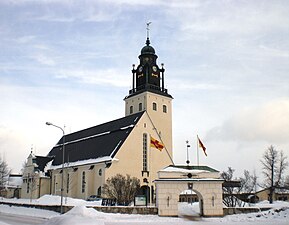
(201, 145)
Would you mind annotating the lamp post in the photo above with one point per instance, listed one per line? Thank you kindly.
(62, 174)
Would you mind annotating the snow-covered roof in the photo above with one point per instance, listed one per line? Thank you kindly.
(14, 180)
(189, 169)
(184, 171)
(80, 163)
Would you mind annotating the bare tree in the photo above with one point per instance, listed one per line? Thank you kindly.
(274, 165)
(24, 164)
(248, 182)
(121, 188)
(230, 188)
(283, 164)
(287, 182)
(4, 174)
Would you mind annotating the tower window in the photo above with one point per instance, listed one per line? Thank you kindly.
(83, 182)
(164, 108)
(131, 109)
(145, 152)
(154, 106)
(140, 107)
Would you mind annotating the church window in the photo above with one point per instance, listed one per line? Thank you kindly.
(131, 109)
(100, 172)
(140, 107)
(91, 167)
(99, 192)
(154, 106)
(55, 184)
(67, 184)
(83, 182)
(28, 187)
(145, 152)
(164, 108)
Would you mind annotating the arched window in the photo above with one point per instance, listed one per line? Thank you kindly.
(100, 172)
(99, 192)
(164, 108)
(83, 182)
(131, 109)
(67, 184)
(154, 106)
(140, 107)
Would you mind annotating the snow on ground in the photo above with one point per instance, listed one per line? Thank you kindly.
(23, 211)
(52, 200)
(80, 214)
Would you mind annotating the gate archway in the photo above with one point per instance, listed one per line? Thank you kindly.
(210, 190)
(190, 203)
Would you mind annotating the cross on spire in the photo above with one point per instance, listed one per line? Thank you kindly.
(148, 33)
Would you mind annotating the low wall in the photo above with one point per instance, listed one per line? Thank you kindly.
(106, 209)
(55, 208)
(240, 210)
(127, 209)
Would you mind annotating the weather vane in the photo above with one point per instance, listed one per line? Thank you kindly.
(148, 29)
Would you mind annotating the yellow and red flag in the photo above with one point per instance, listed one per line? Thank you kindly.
(156, 144)
(201, 145)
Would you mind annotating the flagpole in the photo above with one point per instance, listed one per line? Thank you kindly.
(149, 167)
(198, 163)
(154, 127)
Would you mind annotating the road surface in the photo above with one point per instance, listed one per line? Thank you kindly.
(20, 220)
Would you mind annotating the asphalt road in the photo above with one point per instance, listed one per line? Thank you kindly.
(20, 220)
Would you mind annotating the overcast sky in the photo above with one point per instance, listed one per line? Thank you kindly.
(69, 62)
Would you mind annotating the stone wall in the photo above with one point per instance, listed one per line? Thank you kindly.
(241, 210)
(127, 209)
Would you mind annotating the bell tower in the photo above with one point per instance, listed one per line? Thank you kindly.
(149, 94)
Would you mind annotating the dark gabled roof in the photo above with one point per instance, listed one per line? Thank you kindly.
(95, 142)
(41, 161)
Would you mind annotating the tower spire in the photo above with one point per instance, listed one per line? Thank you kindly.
(148, 33)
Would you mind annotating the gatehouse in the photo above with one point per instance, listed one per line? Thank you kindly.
(204, 181)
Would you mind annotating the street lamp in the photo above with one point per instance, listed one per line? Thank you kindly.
(62, 174)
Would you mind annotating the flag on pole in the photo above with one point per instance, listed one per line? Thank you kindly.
(201, 145)
(156, 144)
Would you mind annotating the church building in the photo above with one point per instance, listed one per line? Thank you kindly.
(138, 144)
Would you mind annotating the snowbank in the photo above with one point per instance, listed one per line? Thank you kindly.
(27, 211)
